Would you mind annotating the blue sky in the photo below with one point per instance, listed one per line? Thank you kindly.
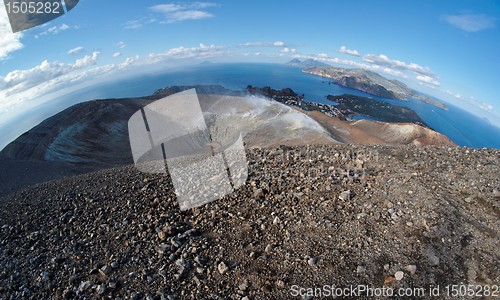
(448, 49)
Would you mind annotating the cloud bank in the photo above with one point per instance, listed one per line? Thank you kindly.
(9, 42)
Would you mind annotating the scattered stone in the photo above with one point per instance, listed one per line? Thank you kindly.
(106, 270)
(196, 280)
(411, 268)
(312, 261)
(45, 276)
(162, 248)
(84, 285)
(399, 275)
(361, 215)
(280, 284)
(360, 269)
(101, 289)
(345, 195)
(243, 286)
(162, 235)
(200, 260)
(432, 258)
(167, 229)
(182, 266)
(359, 163)
(67, 294)
(222, 267)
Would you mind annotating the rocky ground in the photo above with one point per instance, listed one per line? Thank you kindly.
(338, 215)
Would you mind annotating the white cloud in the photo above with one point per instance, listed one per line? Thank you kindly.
(86, 61)
(20, 87)
(428, 79)
(287, 50)
(55, 30)
(472, 100)
(178, 12)
(390, 71)
(116, 54)
(344, 49)
(258, 53)
(23, 87)
(76, 50)
(203, 51)
(184, 15)
(129, 61)
(456, 95)
(173, 7)
(471, 22)
(335, 60)
(167, 8)
(132, 24)
(9, 42)
(121, 45)
(263, 44)
(49, 74)
(383, 60)
(20, 80)
(486, 106)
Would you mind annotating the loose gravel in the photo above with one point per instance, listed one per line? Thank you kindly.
(306, 217)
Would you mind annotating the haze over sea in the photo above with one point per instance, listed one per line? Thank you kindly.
(460, 126)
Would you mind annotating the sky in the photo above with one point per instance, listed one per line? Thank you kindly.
(448, 49)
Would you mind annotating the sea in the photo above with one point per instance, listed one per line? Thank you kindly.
(462, 127)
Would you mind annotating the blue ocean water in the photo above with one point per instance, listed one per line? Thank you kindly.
(460, 126)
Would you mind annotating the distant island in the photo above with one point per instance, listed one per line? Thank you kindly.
(351, 106)
(348, 106)
(308, 63)
(366, 81)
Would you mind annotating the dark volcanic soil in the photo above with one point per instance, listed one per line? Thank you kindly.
(431, 213)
